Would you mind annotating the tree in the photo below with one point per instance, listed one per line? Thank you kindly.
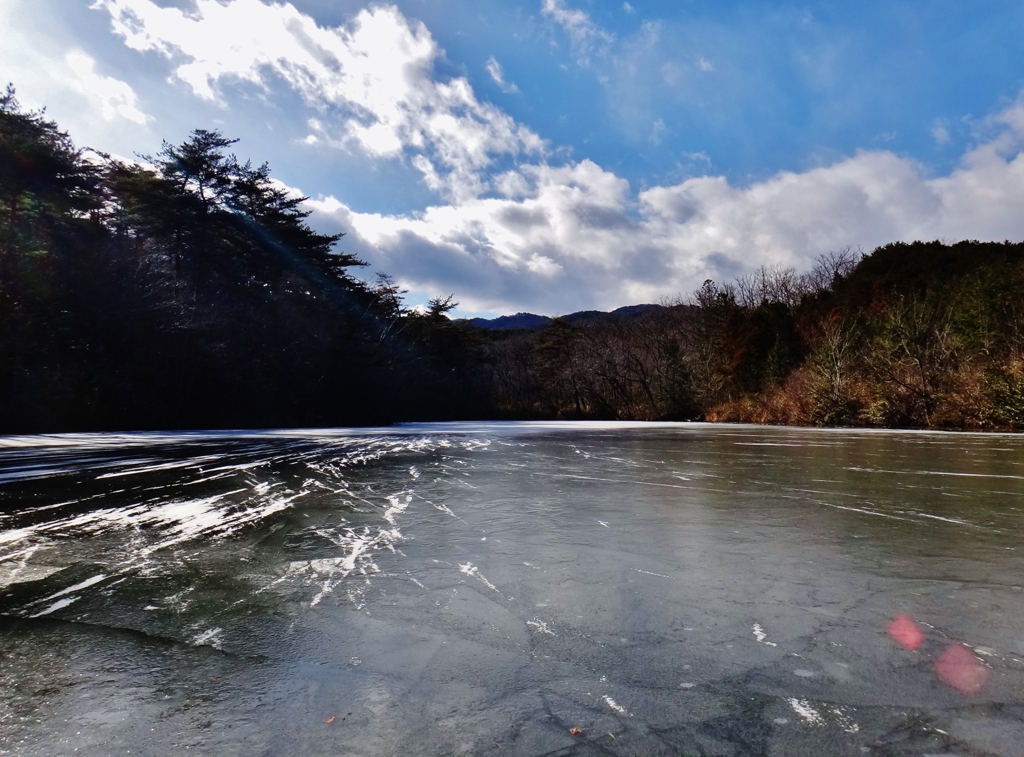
(199, 167)
(831, 364)
(44, 179)
(439, 307)
(915, 355)
(278, 222)
(705, 356)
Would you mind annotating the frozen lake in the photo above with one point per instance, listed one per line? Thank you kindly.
(513, 589)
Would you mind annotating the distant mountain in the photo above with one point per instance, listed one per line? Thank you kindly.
(591, 316)
(532, 321)
(517, 321)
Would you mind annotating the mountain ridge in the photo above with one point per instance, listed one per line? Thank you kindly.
(532, 321)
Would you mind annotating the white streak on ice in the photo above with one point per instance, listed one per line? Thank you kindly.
(83, 585)
(957, 521)
(615, 705)
(190, 463)
(649, 573)
(359, 546)
(935, 473)
(866, 512)
(541, 626)
(778, 444)
(58, 605)
(471, 570)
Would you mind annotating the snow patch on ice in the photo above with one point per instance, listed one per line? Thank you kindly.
(760, 635)
(541, 626)
(210, 638)
(398, 506)
(615, 705)
(844, 720)
(803, 708)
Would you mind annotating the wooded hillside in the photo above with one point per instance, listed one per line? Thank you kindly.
(926, 335)
(187, 291)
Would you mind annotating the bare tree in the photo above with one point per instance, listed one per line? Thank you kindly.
(915, 357)
(830, 267)
(767, 285)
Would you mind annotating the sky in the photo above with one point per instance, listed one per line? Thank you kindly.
(551, 156)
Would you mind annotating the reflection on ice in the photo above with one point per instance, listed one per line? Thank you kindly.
(143, 530)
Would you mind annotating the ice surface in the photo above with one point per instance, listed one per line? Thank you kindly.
(485, 588)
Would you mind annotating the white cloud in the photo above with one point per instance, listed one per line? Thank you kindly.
(496, 72)
(576, 236)
(376, 77)
(1013, 117)
(115, 98)
(705, 65)
(48, 72)
(585, 37)
(628, 8)
(553, 238)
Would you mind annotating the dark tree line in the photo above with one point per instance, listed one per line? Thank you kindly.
(189, 291)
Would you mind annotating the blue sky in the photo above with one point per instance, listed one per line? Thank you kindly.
(556, 155)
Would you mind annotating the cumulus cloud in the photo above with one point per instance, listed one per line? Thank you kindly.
(375, 78)
(498, 75)
(116, 99)
(577, 236)
(511, 230)
(99, 110)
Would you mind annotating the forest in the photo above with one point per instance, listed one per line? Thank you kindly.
(187, 290)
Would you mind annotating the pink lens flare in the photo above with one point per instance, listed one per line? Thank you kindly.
(960, 668)
(906, 632)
